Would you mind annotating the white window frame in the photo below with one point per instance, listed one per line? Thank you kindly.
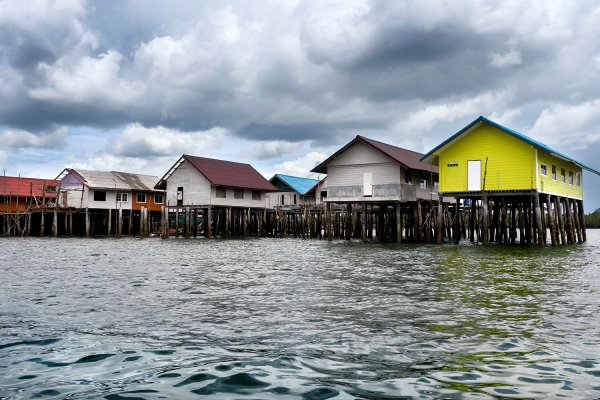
(553, 172)
(563, 175)
(578, 179)
(122, 197)
(544, 169)
(570, 177)
(408, 177)
(423, 183)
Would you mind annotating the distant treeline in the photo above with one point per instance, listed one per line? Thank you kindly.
(593, 220)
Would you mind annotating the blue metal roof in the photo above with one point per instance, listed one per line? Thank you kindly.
(300, 185)
(511, 132)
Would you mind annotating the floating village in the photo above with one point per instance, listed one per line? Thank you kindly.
(486, 184)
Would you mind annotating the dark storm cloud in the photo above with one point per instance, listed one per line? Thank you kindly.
(322, 133)
(293, 73)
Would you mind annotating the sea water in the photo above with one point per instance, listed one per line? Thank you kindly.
(289, 318)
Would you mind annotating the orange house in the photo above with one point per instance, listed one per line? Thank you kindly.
(18, 194)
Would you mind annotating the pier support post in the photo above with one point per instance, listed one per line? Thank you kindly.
(208, 222)
(119, 222)
(398, 222)
(186, 223)
(504, 223)
(141, 222)
(54, 224)
(244, 222)
(70, 223)
(66, 222)
(109, 222)
(484, 218)
(227, 217)
(87, 222)
(576, 220)
(439, 222)
(561, 221)
(570, 227)
(551, 221)
(42, 224)
(582, 219)
(538, 219)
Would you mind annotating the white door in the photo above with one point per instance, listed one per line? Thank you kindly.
(474, 175)
(367, 184)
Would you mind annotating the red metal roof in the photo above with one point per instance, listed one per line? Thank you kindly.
(406, 158)
(23, 187)
(229, 173)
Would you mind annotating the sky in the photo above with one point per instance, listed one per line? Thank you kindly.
(131, 85)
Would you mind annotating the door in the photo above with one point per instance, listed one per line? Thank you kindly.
(474, 175)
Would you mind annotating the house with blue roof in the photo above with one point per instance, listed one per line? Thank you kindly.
(488, 160)
(291, 191)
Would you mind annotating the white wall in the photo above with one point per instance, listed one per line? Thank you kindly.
(196, 188)
(110, 202)
(274, 199)
(246, 202)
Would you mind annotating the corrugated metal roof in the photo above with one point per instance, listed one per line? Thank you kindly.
(229, 173)
(300, 185)
(115, 180)
(20, 186)
(511, 132)
(138, 182)
(406, 158)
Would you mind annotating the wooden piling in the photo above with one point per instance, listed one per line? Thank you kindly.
(87, 222)
(538, 219)
(42, 225)
(582, 219)
(571, 228)
(119, 222)
(576, 220)
(54, 224)
(551, 224)
(484, 216)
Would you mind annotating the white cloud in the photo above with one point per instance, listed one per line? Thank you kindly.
(268, 150)
(425, 119)
(141, 142)
(91, 81)
(3, 157)
(301, 166)
(576, 126)
(506, 117)
(16, 138)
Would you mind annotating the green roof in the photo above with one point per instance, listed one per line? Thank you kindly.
(511, 132)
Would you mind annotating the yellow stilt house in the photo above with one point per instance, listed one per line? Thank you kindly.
(492, 165)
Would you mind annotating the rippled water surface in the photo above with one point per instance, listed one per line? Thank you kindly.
(297, 319)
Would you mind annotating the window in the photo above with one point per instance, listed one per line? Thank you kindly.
(553, 172)
(570, 177)
(295, 200)
(238, 193)
(282, 199)
(180, 196)
(221, 192)
(408, 177)
(436, 186)
(5, 200)
(323, 193)
(453, 164)
(578, 179)
(122, 197)
(141, 197)
(99, 195)
(158, 199)
(423, 183)
(563, 173)
(256, 195)
(544, 169)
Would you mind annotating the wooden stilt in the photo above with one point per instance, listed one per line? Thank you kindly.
(551, 224)
(504, 224)
(538, 219)
(42, 225)
(576, 220)
(398, 223)
(54, 223)
(484, 215)
(109, 231)
(208, 231)
(582, 219)
(561, 221)
(119, 222)
(570, 227)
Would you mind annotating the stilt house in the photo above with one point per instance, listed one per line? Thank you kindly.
(379, 176)
(292, 191)
(230, 196)
(23, 200)
(506, 170)
(111, 199)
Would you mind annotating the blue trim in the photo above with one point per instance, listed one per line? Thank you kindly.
(515, 134)
(300, 185)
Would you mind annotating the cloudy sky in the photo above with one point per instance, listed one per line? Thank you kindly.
(131, 85)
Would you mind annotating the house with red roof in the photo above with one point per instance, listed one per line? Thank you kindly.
(366, 170)
(200, 181)
(383, 180)
(21, 198)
